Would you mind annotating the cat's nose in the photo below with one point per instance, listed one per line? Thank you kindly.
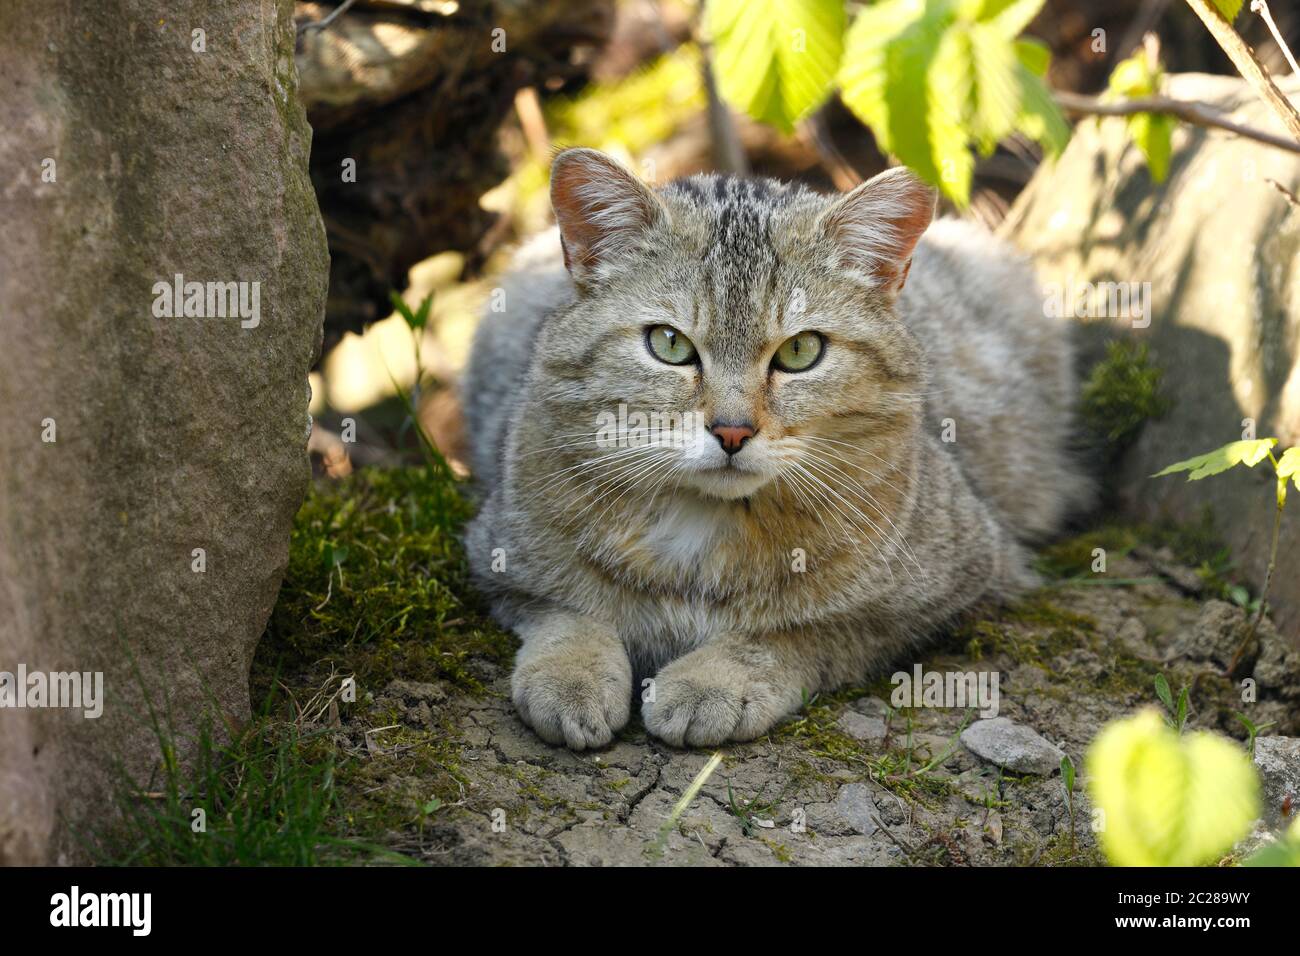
(732, 437)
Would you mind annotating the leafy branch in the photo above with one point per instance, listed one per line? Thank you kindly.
(940, 81)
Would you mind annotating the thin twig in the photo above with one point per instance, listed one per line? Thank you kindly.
(329, 18)
(1261, 7)
(1247, 64)
(1198, 114)
(1291, 197)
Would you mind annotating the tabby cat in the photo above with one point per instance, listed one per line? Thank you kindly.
(855, 426)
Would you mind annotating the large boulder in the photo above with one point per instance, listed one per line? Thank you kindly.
(1218, 245)
(153, 461)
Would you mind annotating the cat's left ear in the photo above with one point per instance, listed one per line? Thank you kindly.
(600, 207)
(876, 227)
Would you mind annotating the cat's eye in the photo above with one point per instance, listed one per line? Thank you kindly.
(668, 345)
(799, 352)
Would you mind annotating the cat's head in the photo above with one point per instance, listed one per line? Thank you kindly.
(756, 318)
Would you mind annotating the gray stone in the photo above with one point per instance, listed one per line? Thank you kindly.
(861, 727)
(1215, 636)
(871, 706)
(1162, 561)
(854, 804)
(172, 434)
(1220, 248)
(1278, 663)
(1278, 762)
(1013, 746)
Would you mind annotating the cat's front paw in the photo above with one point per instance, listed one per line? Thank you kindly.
(710, 696)
(577, 693)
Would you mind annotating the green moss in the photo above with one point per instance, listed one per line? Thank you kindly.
(1027, 631)
(1073, 557)
(779, 850)
(1059, 850)
(377, 585)
(1121, 394)
(386, 791)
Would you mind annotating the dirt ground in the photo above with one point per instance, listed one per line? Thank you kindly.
(451, 777)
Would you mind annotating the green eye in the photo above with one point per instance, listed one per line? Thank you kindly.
(799, 353)
(668, 345)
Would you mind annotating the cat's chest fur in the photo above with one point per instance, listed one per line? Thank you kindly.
(684, 538)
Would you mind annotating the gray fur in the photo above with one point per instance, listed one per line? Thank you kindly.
(668, 570)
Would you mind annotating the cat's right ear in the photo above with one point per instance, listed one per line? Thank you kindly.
(601, 209)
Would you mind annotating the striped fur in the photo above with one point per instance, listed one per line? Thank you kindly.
(844, 533)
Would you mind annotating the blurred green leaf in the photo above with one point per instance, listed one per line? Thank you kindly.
(1152, 133)
(1288, 466)
(417, 319)
(937, 77)
(1229, 8)
(1169, 800)
(1248, 453)
(776, 60)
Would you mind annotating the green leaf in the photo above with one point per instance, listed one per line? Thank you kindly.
(996, 89)
(910, 82)
(1067, 773)
(1248, 453)
(1282, 853)
(1034, 55)
(776, 60)
(1153, 134)
(1229, 8)
(934, 78)
(1040, 118)
(1009, 17)
(1288, 466)
(417, 319)
(1169, 800)
(1162, 691)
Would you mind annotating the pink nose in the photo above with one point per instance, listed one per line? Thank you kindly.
(732, 437)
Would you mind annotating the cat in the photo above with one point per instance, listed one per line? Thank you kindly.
(861, 425)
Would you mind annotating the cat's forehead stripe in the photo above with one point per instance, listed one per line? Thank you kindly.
(741, 264)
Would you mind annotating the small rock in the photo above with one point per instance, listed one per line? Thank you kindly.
(1163, 562)
(861, 727)
(1215, 635)
(993, 828)
(1278, 668)
(871, 706)
(854, 804)
(1017, 748)
(1133, 635)
(1278, 760)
